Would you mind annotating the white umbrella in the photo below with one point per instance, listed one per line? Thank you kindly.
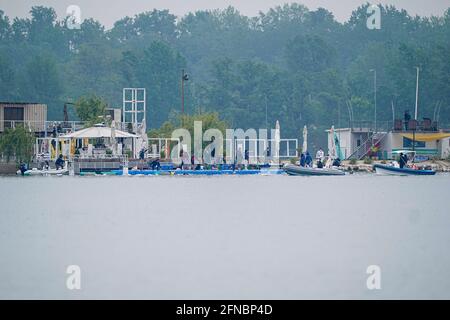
(113, 137)
(277, 141)
(305, 139)
(142, 140)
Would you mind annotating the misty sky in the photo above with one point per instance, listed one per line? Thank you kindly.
(108, 11)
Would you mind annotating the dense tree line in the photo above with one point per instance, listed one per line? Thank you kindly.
(289, 64)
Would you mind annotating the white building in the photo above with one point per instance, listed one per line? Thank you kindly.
(360, 141)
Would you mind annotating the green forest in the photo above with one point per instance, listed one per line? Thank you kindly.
(292, 64)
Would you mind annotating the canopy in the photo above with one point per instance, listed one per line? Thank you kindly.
(98, 132)
(426, 136)
(402, 151)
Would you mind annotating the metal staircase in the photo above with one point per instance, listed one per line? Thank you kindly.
(364, 149)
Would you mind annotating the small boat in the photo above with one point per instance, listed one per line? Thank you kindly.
(295, 170)
(391, 169)
(385, 169)
(46, 172)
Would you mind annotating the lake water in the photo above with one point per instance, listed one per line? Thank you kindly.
(225, 237)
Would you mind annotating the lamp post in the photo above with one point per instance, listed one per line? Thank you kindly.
(375, 95)
(417, 93)
(184, 77)
(416, 110)
(265, 100)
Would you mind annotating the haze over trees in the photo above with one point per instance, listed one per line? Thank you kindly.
(290, 64)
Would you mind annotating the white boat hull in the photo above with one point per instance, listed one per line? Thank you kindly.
(384, 172)
(49, 172)
(391, 170)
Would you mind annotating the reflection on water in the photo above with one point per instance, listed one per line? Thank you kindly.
(249, 237)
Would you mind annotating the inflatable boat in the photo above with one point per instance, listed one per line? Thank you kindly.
(46, 172)
(294, 170)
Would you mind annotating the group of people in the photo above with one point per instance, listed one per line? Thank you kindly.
(307, 161)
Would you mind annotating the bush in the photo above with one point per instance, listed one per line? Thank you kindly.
(353, 161)
(17, 143)
(368, 160)
(91, 109)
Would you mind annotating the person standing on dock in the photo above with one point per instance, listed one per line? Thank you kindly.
(142, 154)
(246, 158)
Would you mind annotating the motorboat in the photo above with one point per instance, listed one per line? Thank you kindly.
(385, 169)
(46, 172)
(394, 168)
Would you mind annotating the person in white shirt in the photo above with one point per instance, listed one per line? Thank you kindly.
(320, 154)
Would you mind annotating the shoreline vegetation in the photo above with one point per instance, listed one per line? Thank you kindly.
(290, 63)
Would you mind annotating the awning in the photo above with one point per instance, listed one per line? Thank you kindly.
(97, 132)
(426, 136)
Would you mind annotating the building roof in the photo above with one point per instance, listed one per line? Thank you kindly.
(20, 103)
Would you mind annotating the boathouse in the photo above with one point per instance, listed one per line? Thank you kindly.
(34, 115)
(362, 139)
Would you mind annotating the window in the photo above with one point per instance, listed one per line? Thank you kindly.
(13, 114)
(408, 143)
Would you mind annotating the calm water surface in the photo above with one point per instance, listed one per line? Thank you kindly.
(248, 237)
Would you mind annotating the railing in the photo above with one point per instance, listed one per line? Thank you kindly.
(99, 163)
(53, 127)
(257, 148)
(425, 125)
(380, 126)
(158, 145)
(260, 150)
